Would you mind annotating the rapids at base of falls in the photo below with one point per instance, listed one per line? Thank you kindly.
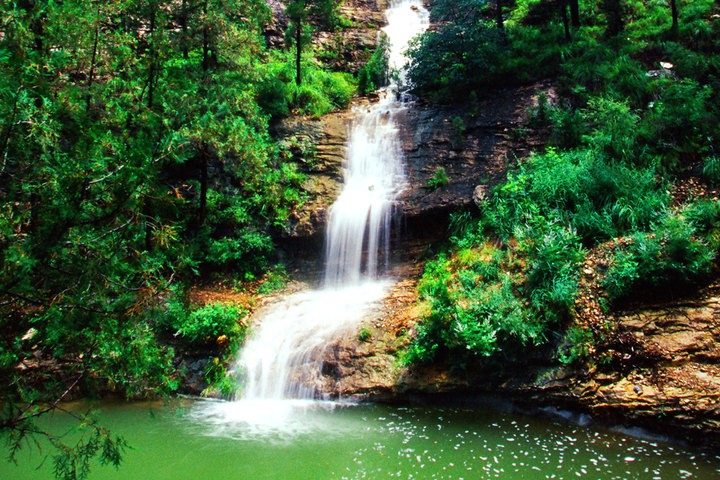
(283, 357)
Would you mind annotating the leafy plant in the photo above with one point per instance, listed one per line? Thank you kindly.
(208, 323)
(439, 179)
(671, 259)
(577, 345)
(364, 335)
(711, 170)
(275, 279)
(376, 72)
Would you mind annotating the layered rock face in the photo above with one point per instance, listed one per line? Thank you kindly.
(664, 372)
(473, 144)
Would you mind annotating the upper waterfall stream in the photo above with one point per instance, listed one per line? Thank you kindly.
(282, 359)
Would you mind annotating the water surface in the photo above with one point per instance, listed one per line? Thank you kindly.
(304, 440)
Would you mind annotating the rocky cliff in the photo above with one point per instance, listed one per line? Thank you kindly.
(656, 366)
(473, 144)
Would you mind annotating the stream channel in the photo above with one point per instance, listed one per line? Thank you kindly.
(279, 430)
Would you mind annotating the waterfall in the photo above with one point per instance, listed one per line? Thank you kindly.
(282, 358)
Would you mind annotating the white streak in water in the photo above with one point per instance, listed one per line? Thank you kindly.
(282, 358)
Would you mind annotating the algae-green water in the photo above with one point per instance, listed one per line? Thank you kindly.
(309, 440)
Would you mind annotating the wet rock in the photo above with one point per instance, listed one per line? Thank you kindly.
(676, 383)
(328, 136)
(474, 144)
(480, 195)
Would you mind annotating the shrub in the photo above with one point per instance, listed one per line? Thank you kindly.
(439, 179)
(671, 259)
(577, 343)
(553, 255)
(711, 170)
(319, 92)
(456, 58)
(207, 323)
(568, 127)
(376, 72)
(614, 127)
(275, 279)
(704, 215)
(364, 335)
(248, 251)
(599, 199)
(678, 122)
(476, 311)
(220, 380)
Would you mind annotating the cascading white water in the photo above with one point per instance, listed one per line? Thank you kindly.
(282, 359)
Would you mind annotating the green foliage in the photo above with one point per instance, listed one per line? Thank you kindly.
(483, 300)
(135, 153)
(376, 72)
(204, 325)
(576, 346)
(599, 199)
(275, 279)
(553, 252)
(474, 311)
(220, 380)
(319, 92)
(246, 251)
(464, 53)
(439, 179)
(625, 123)
(540, 114)
(468, 52)
(614, 127)
(364, 335)
(670, 259)
(704, 216)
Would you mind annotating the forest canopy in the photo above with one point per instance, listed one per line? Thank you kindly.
(138, 156)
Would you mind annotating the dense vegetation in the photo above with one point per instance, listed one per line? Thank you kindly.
(637, 113)
(136, 158)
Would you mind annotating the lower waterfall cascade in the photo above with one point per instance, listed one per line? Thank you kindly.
(282, 359)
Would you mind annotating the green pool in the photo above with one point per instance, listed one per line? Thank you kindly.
(310, 440)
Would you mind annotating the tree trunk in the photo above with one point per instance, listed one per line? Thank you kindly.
(205, 160)
(153, 53)
(673, 7)
(298, 47)
(565, 20)
(575, 13)
(183, 28)
(614, 13)
(499, 14)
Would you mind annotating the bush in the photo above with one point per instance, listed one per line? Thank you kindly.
(678, 122)
(456, 58)
(439, 179)
(553, 254)
(599, 199)
(484, 300)
(614, 127)
(711, 170)
(671, 259)
(275, 279)
(569, 127)
(319, 92)
(248, 251)
(577, 344)
(207, 323)
(376, 72)
(704, 215)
